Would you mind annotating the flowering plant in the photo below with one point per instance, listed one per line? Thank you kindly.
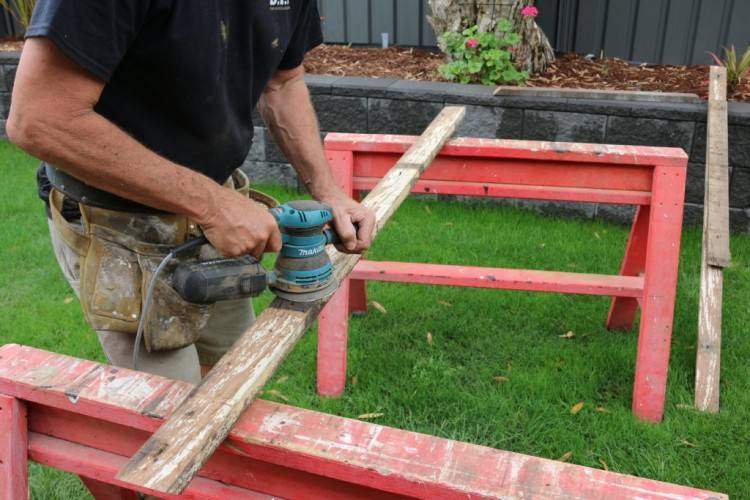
(529, 11)
(481, 57)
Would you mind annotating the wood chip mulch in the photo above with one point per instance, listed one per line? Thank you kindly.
(568, 71)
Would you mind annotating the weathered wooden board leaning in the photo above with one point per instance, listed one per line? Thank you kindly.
(715, 253)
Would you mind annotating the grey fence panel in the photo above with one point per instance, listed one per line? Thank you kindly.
(619, 27)
(357, 21)
(713, 24)
(656, 31)
(548, 22)
(381, 20)
(678, 34)
(649, 35)
(332, 18)
(592, 15)
(427, 36)
(408, 22)
(738, 31)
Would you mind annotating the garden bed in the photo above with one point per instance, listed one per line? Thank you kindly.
(568, 71)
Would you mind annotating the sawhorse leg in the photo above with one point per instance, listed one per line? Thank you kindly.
(333, 322)
(657, 309)
(357, 288)
(622, 309)
(14, 444)
(105, 491)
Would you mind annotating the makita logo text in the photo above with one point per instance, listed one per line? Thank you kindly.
(313, 251)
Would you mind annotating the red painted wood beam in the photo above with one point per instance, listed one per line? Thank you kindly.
(507, 279)
(537, 172)
(519, 191)
(103, 466)
(333, 448)
(13, 444)
(534, 150)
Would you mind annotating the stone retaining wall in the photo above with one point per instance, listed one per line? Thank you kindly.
(366, 105)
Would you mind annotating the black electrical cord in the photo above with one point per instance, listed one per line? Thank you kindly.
(152, 284)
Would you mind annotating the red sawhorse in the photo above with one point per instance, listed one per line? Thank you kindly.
(88, 419)
(652, 179)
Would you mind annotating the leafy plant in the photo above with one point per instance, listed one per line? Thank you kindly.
(482, 57)
(736, 69)
(20, 9)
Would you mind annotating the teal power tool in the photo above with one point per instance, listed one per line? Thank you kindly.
(303, 270)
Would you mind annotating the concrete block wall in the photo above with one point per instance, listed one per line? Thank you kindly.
(366, 105)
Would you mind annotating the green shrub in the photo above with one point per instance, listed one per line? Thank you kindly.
(482, 57)
(736, 70)
(20, 9)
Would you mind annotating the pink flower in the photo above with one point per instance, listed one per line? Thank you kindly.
(529, 11)
(472, 43)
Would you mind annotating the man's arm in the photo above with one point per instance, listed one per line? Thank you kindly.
(286, 108)
(52, 117)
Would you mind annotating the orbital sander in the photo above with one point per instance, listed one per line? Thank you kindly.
(303, 270)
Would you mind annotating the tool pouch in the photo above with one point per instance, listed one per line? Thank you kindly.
(119, 252)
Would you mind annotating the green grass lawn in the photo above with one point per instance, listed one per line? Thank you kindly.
(448, 387)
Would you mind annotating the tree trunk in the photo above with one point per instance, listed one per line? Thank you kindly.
(532, 54)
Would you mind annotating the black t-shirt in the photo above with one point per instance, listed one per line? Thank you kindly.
(182, 76)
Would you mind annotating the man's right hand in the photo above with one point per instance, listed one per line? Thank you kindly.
(236, 226)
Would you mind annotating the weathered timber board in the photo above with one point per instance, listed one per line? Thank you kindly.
(174, 454)
(715, 252)
(716, 203)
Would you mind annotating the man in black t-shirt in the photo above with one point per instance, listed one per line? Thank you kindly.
(141, 112)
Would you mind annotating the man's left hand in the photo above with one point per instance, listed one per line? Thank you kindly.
(353, 222)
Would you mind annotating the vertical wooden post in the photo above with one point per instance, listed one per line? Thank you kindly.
(14, 443)
(622, 309)
(333, 335)
(657, 313)
(715, 251)
(333, 322)
(105, 491)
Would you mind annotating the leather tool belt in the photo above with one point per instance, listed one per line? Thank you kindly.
(119, 251)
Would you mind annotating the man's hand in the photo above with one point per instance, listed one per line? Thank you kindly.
(353, 222)
(286, 108)
(236, 226)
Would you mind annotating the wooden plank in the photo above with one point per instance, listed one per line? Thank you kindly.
(536, 151)
(519, 191)
(175, 453)
(506, 279)
(13, 443)
(715, 252)
(708, 357)
(716, 202)
(81, 401)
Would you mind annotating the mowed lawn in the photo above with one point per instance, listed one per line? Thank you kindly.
(449, 387)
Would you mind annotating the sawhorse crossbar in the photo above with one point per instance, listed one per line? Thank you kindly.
(652, 179)
(88, 419)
